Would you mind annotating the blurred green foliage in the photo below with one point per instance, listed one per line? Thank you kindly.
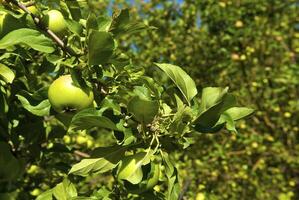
(251, 46)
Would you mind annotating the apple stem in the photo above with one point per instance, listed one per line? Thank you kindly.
(38, 23)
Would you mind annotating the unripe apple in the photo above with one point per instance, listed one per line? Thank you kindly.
(55, 21)
(80, 140)
(64, 95)
(33, 10)
(36, 192)
(239, 24)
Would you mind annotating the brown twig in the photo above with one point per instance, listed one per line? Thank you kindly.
(81, 154)
(39, 24)
(236, 153)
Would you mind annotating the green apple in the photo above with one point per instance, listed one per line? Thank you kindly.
(55, 21)
(33, 10)
(64, 95)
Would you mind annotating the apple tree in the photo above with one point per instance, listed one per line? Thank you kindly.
(80, 120)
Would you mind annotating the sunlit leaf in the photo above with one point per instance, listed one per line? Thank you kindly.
(65, 190)
(143, 110)
(6, 74)
(29, 37)
(42, 109)
(100, 47)
(104, 159)
(89, 118)
(182, 80)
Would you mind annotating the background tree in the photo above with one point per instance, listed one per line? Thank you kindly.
(250, 45)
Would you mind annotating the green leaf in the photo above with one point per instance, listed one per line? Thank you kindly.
(110, 104)
(65, 118)
(169, 167)
(10, 21)
(74, 27)
(181, 79)
(65, 190)
(209, 117)
(91, 22)
(228, 119)
(130, 167)
(10, 167)
(143, 110)
(104, 23)
(121, 24)
(180, 121)
(105, 159)
(87, 198)
(74, 9)
(100, 23)
(237, 113)
(103, 193)
(100, 47)
(230, 123)
(3, 102)
(142, 92)
(45, 195)
(179, 102)
(9, 195)
(29, 37)
(128, 136)
(173, 189)
(150, 83)
(6, 74)
(42, 109)
(211, 96)
(90, 118)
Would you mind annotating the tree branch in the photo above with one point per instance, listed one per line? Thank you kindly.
(81, 154)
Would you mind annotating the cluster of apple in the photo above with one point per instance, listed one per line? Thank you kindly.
(63, 94)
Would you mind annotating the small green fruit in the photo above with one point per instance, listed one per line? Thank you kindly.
(80, 140)
(36, 192)
(55, 21)
(33, 169)
(65, 96)
(33, 10)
